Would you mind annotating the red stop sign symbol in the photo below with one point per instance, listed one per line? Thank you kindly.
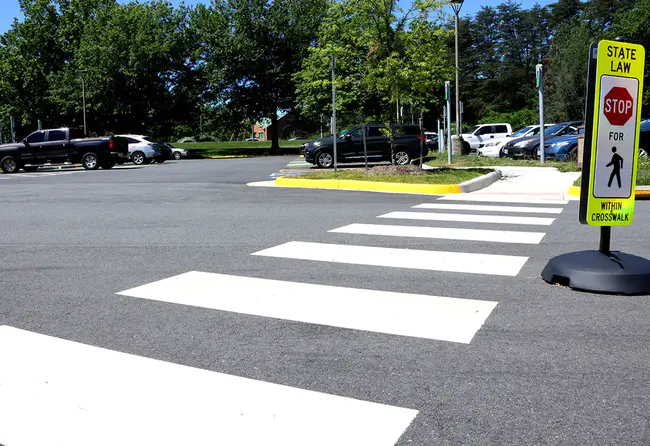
(618, 106)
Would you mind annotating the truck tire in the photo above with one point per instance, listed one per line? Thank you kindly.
(9, 164)
(324, 159)
(402, 157)
(90, 161)
(138, 158)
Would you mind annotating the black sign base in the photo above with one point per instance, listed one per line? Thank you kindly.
(595, 271)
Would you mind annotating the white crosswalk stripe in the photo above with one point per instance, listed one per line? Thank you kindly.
(82, 395)
(431, 317)
(521, 199)
(477, 235)
(471, 218)
(493, 264)
(483, 208)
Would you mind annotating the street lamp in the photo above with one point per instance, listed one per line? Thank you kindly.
(83, 97)
(456, 5)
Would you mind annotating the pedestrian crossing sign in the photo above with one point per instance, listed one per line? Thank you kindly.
(614, 92)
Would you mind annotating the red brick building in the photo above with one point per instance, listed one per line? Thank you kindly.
(289, 126)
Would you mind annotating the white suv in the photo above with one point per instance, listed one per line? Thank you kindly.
(484, 132)
(142, 150)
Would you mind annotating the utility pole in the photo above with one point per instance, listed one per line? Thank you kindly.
(334, 112)
(539, 71)
(83, 97)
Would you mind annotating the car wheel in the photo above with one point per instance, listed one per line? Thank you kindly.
(642, 152)
(8, 164)
(90, 161)
(30, 168)
(402, 157)
(324, 160)
(138, 158)
(572, 155)
(177, 155)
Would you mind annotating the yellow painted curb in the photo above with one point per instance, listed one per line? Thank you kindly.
(432, 189)
(574, 191)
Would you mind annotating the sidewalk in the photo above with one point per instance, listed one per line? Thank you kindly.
(539, 182)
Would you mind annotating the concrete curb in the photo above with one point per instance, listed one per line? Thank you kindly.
(480, 182)
(641, 193)
(408, 188)
(371, 186)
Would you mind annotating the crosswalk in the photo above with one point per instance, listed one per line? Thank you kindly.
(57, 382)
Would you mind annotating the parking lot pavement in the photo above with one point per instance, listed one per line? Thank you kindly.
(179, 298)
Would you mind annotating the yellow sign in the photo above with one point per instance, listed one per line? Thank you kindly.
(614, 135)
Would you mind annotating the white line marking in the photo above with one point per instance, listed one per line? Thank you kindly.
(470, 218)
(477, 235)
(54, 391)
(460, 262)
(478, 207)
(523, 199)
(402, 314)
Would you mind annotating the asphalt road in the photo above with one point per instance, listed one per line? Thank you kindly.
(550, 365)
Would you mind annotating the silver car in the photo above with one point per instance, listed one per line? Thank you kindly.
(142, 150)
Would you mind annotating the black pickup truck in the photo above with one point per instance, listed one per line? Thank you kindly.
(63, 146)
(349, 147)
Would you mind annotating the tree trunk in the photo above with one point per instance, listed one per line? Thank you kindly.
(275, 144)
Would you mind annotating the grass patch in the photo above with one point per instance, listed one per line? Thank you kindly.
(642, 173)
(240, 148)
(440, 160)
(402, 174)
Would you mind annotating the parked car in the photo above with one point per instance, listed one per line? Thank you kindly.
(562, 148)
(143, 150)
(644, 138)
(482, 133)
(431, 140)
(177, 153)
(350, 146)
(494, 147)
(526, 147)
(62, 146)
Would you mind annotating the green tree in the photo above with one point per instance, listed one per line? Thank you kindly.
(255, 47)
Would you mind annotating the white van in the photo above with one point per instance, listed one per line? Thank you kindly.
(479, 134)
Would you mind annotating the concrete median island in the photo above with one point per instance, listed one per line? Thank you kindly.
(397, 179)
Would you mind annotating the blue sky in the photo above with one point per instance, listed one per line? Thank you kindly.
(10, 8)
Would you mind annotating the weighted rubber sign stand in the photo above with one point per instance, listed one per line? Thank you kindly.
(614, 90)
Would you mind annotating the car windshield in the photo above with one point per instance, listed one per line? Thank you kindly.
(645, 126)
(521, 132)
(473, 129)
(554, 129)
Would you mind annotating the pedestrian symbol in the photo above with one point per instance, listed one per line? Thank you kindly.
(617, 163)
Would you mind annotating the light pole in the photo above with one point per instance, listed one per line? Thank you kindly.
(456, 5)
(83, 97)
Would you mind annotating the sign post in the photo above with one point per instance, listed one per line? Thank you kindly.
(613, 111)
(334, 113)
(539, 70)
(448, 98)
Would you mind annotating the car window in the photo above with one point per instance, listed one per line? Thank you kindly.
(132, 141)
(374, 131)
(534, 132)
(485, 130)
(569, 131)
(356, 132)
(147, 138)
(473, 129)
(36, 137)
(553, 130)
(521, 132)
(501, 129)
(56, 135)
